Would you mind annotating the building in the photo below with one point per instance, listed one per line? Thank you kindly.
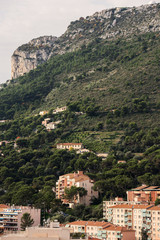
(144, 193)
(10, 217)
(50, 125)
(114, 202)
(59, 110)
(69, 146)
(137, 217)
(79, 180)
(42, 113)
(102, 155)
(102, 230)
(43, 233)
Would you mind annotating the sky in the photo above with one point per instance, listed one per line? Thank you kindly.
(23, 20)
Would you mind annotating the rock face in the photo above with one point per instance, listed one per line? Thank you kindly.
(29, 56)
(107, 24)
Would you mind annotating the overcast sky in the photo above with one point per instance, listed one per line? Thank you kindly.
(23, 20)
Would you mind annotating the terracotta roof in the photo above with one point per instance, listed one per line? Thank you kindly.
(81, 178)
(91, 223)
(151, 188)
(139, 188)
(155, 208)
(3, 206)
(141, 206)
(123, 206)
(132, 206)
(70, 144)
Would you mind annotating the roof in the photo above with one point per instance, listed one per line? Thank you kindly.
(156, 208)
(70, 144)
(142, 206)
(91, 223)
(123, 206)
(3, 206)
(81, 178)
(139, 188)
(129, 206)
(152, 188)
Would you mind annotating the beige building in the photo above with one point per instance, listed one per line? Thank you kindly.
(10, 218)
(79, 180)
(69, 146)
(114, 202)
(137, 217)
(42, 233)
(102, 230)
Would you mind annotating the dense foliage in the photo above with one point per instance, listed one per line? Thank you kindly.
(111, 90)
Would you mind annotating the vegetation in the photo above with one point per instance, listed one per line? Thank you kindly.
(111, 90)
(26, 221)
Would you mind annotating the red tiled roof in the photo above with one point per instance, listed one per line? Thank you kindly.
(91, 223)
(151, 188)
(155, 208)
(123, 206)
(139, 188)
(3, 206)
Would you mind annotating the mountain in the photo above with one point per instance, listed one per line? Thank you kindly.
(107, 24)
(106, 70)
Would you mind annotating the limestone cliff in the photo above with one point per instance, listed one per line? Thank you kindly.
(107, 24)
(29, 56)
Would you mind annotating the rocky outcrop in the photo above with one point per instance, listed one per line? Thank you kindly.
(107, 24)
(29, 56)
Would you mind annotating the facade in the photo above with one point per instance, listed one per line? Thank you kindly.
(102, 230)
(33, 233)
(79, 180)
(116, 201)
(10, 218)
(69, 146)
(144, 193)
(137, 217)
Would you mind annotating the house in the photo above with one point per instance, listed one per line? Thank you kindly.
(144, 193)
(42, 113)
(59, 110)
(10, 217)
(102, 230)
(79, 180)
(50, 125)
(83, 150)
(69, 146)
(102, 155)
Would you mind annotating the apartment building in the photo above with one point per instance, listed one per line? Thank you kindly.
(102, 230)
(114, 202)
(10, 217)
(79, 180)
(137, 217)
(69, 146)
(144, 193)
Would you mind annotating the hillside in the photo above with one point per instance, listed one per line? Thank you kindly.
(111, 87)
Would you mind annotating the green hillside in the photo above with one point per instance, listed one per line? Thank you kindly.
(115, 87)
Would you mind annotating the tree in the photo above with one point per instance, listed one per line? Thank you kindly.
(26, 221)
(144, 234)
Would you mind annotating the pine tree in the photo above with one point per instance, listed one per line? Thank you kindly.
(26, 221)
